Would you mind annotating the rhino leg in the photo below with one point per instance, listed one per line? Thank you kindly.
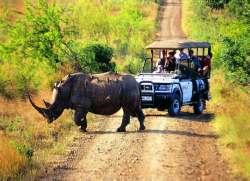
(84, 124)
(80, 119)
(141, 118)
(125, 121)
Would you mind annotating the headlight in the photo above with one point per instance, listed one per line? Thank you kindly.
(163, 88)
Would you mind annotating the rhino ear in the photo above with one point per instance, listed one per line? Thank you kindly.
(46, 104)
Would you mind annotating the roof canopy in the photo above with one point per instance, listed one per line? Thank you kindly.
(177, 44)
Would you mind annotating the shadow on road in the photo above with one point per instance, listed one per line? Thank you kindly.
(152, 131)
(205, 117)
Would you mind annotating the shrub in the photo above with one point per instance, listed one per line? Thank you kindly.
(240, 9)
(235, 59)
(101, 55)
(217, 4)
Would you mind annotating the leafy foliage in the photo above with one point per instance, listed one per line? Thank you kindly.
(216, 4)
(126, 26)
(235, 58)
(229, 35)
(240, 9)
(102, 55)
(41, 33)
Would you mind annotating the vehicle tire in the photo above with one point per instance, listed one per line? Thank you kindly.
(199, 107)
(174, 106)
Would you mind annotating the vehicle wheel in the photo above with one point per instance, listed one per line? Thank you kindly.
(199, 107)
(175, 106)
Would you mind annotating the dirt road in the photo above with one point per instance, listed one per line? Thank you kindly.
(174, 149)
(171, 20)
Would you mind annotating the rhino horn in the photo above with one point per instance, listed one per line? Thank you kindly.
(43, 111)
(47, 104)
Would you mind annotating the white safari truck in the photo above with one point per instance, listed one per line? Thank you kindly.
(172, 77)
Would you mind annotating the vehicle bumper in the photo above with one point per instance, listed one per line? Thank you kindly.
(159, 100)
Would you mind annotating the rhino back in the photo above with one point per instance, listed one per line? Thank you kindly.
(105, 93)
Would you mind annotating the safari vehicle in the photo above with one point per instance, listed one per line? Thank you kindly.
(182, 86)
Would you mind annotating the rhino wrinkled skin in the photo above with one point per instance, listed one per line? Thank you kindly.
(102, 94)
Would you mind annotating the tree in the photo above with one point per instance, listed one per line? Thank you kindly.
(41, 33)
(99, 55)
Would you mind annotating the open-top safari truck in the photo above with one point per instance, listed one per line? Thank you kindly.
(178, 82)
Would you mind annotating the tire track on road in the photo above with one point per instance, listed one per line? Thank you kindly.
(171, 21)
(113, 156)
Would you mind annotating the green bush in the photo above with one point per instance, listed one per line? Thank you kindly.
(217, 4)
(235, 59)
(102, 55)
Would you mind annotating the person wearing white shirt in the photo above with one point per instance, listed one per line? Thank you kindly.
(181, 55)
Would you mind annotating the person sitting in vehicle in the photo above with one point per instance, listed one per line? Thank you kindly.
(206, 64)
(171, 62)
(181, 55)
(160, 64)
(196, 61)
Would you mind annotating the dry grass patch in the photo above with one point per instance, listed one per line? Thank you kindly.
(33, 142)
(12, 163)
(232, 122)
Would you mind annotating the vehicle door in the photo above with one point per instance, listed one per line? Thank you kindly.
(187, 90)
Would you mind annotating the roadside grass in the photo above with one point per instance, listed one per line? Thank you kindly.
(11, 162)
(231, 106)
(27, 142)
(230, 100)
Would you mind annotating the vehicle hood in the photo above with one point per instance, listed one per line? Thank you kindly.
(157, 78)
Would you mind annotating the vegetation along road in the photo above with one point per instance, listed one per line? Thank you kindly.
(181, 148)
